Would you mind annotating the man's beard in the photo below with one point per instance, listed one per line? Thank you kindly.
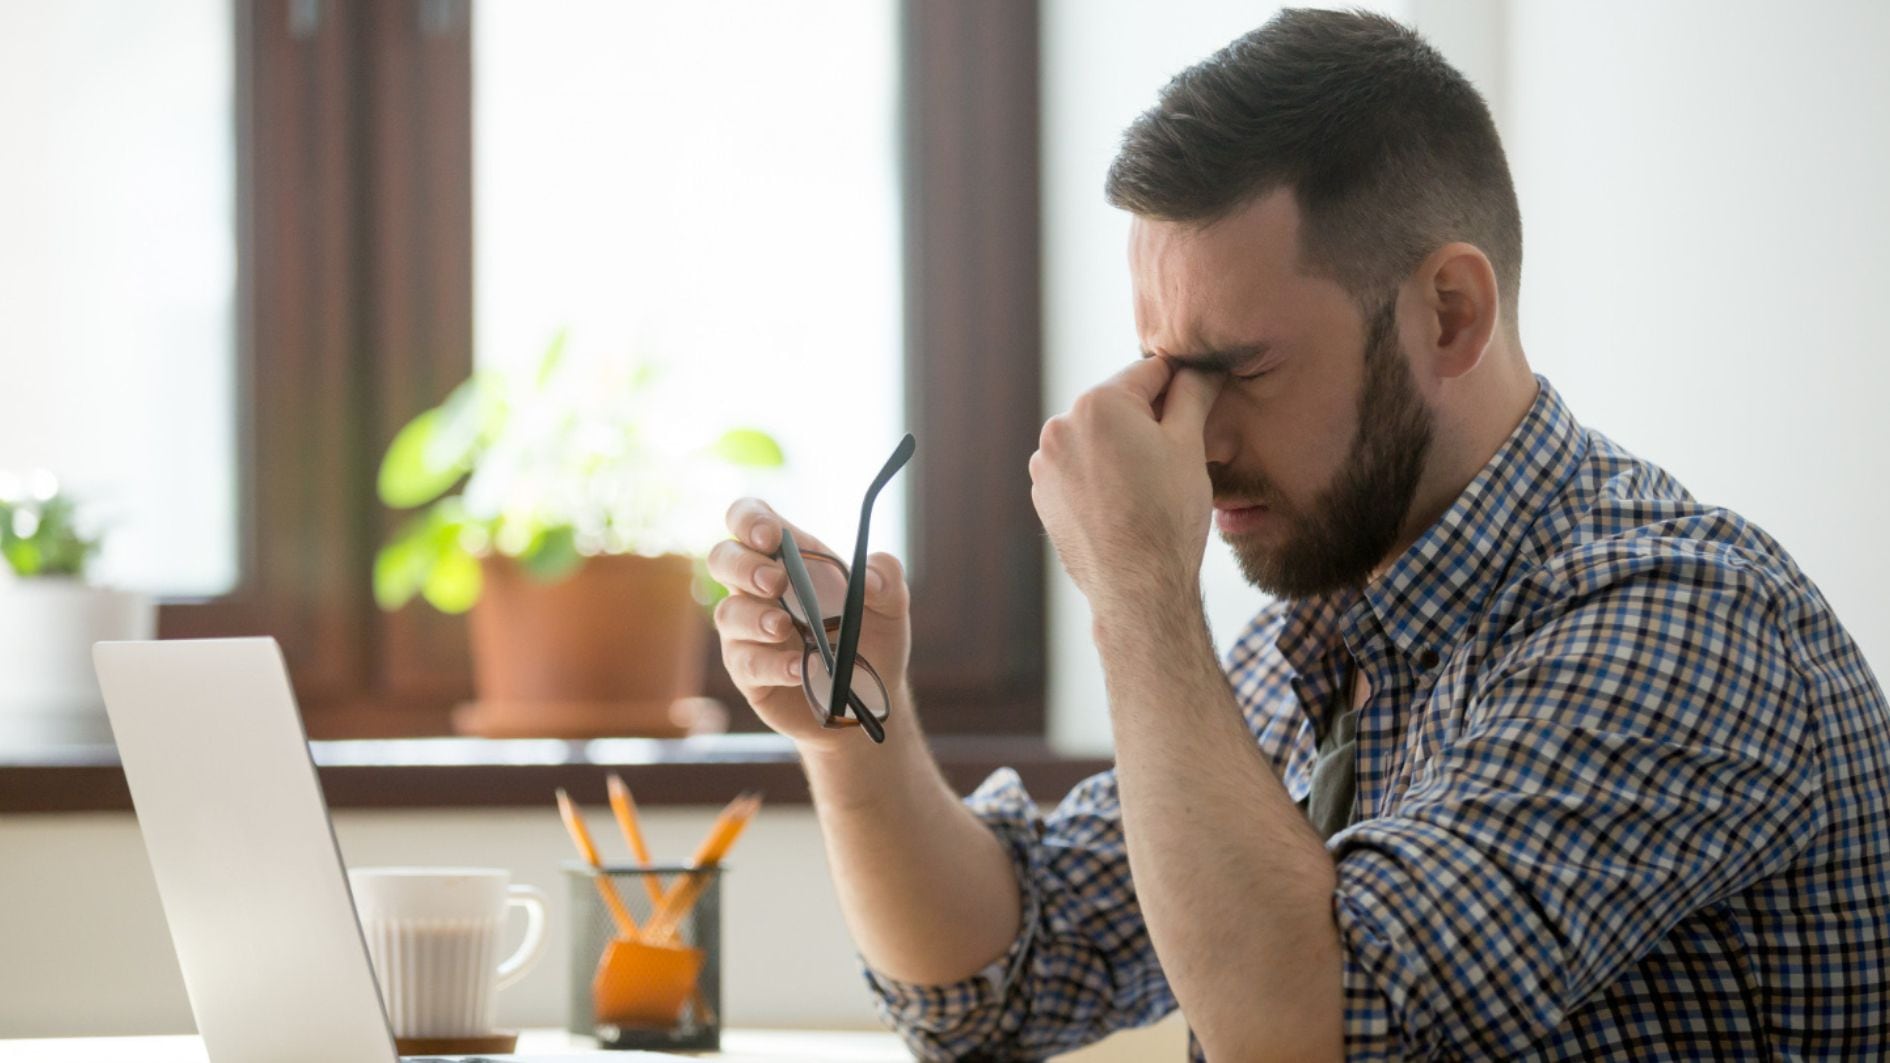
(1357, 519)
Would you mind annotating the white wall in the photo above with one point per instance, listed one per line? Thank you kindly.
(1706, 221)
(1707, 239)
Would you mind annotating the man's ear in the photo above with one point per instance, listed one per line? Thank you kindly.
(1461, 308)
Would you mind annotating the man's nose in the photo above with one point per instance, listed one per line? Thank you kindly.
(1218, 433)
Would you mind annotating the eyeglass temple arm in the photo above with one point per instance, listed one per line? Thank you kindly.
(856, 590)
(802, 586)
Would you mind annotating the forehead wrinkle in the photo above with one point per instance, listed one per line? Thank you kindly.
(1188, 302)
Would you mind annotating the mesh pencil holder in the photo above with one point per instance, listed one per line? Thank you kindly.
(645, 993)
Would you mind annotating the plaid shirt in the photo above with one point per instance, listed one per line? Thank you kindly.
(1622, 794)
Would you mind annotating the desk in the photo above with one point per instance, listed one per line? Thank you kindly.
(738, 1046)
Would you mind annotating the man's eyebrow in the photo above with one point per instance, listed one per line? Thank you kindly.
(1222, 360)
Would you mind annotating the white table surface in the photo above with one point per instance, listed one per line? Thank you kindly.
(740, 1046)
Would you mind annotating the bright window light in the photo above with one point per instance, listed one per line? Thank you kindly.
(118, 274)
(713, 185)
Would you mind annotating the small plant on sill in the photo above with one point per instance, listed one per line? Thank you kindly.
(40, 532)
(551, 466)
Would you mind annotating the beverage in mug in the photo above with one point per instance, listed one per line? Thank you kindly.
(433, 935)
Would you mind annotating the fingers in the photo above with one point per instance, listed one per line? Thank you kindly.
(744, 564)
(746, 571)
(755, 524)
(1145, 378)
(740, 616)
(886, 590)
(758, 647)
(755, 664)
(1189, 397)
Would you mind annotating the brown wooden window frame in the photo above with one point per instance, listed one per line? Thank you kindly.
(355, 223)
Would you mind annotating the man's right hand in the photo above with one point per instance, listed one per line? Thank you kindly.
(760, 647)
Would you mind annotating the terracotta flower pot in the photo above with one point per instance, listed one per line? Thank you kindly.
(614, 649)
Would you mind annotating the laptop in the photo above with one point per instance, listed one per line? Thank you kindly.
(244, 854)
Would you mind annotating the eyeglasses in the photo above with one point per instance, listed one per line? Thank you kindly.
(825, 600)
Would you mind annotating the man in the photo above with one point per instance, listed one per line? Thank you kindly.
(1535, 756)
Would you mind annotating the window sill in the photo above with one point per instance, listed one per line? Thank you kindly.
(508, 773)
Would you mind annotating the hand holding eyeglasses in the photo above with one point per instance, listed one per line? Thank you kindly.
(786, 645)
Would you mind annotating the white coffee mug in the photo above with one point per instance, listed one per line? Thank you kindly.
(433, 936)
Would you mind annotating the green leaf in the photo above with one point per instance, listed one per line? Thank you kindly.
(454, 583)
(425, 557)
(748, 446)
(64, 555)
(55, 546)
(548, 362)
(401, 567)
(432, 451)
(552, 556)
(23, 555)
(407, 478)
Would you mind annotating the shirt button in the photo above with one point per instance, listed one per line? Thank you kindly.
(1428, 660)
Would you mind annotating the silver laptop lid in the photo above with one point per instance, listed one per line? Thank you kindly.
(244, 855)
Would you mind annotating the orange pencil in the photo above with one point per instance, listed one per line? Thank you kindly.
(728, 826)
(682, 894)
(666, 922)
(722, 834)
(574, 824)
(625, 810)
(624, 807)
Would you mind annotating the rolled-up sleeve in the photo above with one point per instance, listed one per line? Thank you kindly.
(1623, 765)
(1081, 965)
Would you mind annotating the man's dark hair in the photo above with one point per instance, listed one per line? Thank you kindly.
(1390, 152)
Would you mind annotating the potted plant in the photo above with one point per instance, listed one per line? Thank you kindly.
(50, 616)
(573, 530)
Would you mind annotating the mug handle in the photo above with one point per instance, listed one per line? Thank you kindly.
(532, 899)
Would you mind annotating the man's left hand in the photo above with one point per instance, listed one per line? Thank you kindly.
(1120, 482)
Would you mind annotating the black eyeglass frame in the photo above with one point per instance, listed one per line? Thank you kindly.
(817, 653)
(840, 661)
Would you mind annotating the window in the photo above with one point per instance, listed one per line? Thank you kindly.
(713, 187)
(119, 268)
(359, 240)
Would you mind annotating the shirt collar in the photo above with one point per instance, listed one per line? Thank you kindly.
(1443, 581)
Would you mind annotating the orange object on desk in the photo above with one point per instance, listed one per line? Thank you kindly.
(646, 974)
(639, 984)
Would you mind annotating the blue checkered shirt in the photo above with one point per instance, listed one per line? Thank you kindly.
(1623, 793)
